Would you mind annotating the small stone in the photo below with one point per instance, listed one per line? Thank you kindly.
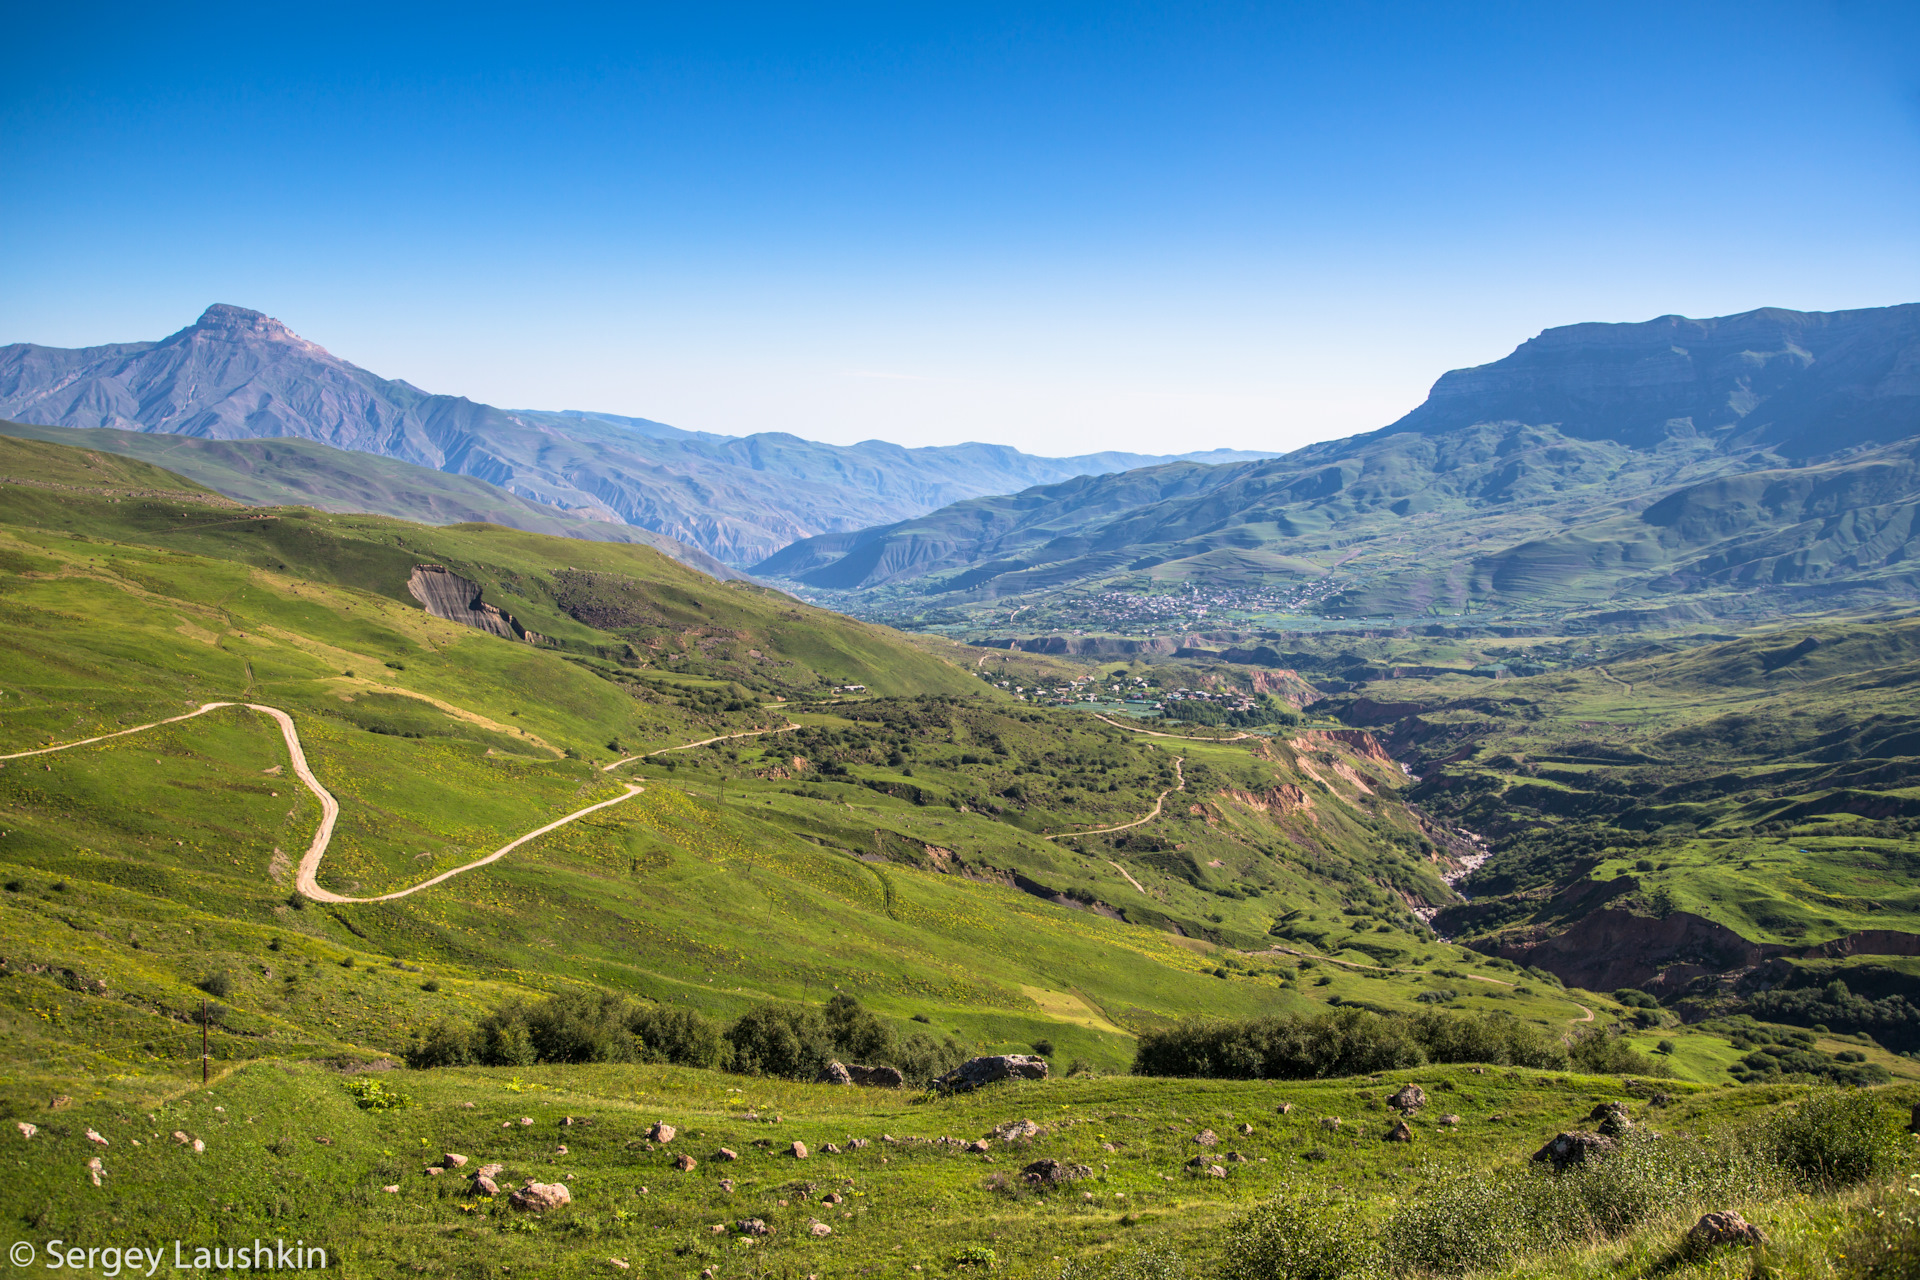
(468, 1106)
(181, 1138)
(433, 1170)
(662, 1132)
(525, 1120)
(566, 1122)
(96, 1139)
(1206, 1138)
(1721, 1228)
(830, 1150)
(978, 1146)
(832, 1197)
(1284, 1107)
(490, 1170)
(621, 1263)
(1450, 1121)
(684, 1162)
(59, 1102)
(798, 1150)
(95, 1169)
(560, 1150)
(199, 1147)
(1054, 1172)
(718, 1229)
(726, 1185)
(1409, 1099)
(1330, 1123)
(1401, 1132)
(1215, 1171)
(1246, 1129)
(486, 1186)
(751, 1227)
(325, 1142)
(820, 1229)
(451, 1161)
(1015, 1130)
(857, 1144)
(26, 1130)
(725, 1153)
(1578, 1147)
(1611, 1119)
(392, 1190)
(538, 1197)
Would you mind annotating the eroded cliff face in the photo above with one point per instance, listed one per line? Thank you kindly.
(445, 594)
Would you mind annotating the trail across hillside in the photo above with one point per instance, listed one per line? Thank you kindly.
(1586, 1014)
(1179, 771)
(305, 878)
(1155, 733)
(688, 746)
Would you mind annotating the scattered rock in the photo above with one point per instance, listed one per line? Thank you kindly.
(976, 1072)
(181, 1138)
(662, 1132)
(467, 1106)
(59, 1102)
(725, 1153)
(538, 1197)
(621, 1263)
(325, 1142)
(751, 1227)
(1052, 1173)
(876, 1077)
(857, 1144)
(834, 1073)
(1284, 1107)
(1015, 1130)
(451, 1161)
(798, 1150)
(1573, 1148)
(820, 1229)
(1206, 1138)
(96, 1139)
(718, 1229)
(1330, 1123)
(433, 1171)
(485, 1186)
(1450, 1121)
(1611, 1119)
(684, 1162)
(1401, 1132)
(393, 1190)
(1409, 1099)
(832, 1197)
(830, 1150)
(1723, 1227)
(199, 1147)
(526, 1120)
(26, 1130)
(726, 1185)
(1234, 1157)
(1215, 1171)
(1246, 1130)
(560, 1150)
(978, 1145)
(490, 1170)
(95, 1168)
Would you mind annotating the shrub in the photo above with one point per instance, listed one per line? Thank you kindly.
(1832, 1139)
(1298, 1237)
(445, 1044)
(216, 984)
(781, 1040)
(1350, 1041)
(1885, 1241)
(1043, 1047)
(370, 1095)
(1153, 1263)
(1603, 1053)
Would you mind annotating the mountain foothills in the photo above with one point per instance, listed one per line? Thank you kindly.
(1744, 467)
(236, 374)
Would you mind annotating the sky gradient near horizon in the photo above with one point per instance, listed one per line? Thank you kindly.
(1066, 227)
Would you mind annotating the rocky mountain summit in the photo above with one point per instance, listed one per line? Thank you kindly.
(238, 374)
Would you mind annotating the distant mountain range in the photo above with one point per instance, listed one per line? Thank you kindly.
(1770, 452)
(237, 374)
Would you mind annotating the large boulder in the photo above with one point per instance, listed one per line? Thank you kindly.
(876, 1077)
(1566, 1149)
(1051, 1173)
(1611, 1119)
(1721, 1228)
(538, 1197)
(834, 1073)
(975, 1072)
(1409, 1100)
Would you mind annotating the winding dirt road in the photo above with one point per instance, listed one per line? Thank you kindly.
(305, 878)
(1155, 733)
(1179, 771)
(688, 746)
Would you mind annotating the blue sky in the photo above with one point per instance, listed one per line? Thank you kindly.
(1066, 227)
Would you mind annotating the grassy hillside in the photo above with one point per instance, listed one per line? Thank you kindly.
(288, 472)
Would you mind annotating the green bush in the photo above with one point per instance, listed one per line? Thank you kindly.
(1152, 1263)
(1298, 1237)
(216, 984)
(1346, 1042)
(370, 1095)
(781, 1040)
(1604, 1054)
(1833, 1139)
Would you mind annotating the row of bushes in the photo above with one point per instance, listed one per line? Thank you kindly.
(794, 1041)
(1492, 1218)
(1352, 1042)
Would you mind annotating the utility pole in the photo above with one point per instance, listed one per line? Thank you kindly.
(203, 1039)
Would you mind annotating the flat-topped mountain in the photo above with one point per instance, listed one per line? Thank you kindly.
(238, 374)
(1771, 451)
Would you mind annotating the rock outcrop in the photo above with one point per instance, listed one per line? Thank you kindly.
(975, 1072)
(445, 594)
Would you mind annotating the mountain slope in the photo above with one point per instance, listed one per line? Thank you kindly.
(290, 472)
(237, 374)
(1597, 464)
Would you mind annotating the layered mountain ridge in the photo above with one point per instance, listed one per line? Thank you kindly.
(239, 374)
(1596, 464)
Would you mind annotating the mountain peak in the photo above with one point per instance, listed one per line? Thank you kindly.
(240, 323)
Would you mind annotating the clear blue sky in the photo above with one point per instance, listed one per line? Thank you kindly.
(1067, 227)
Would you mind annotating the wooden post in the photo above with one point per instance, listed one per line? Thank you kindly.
(203, 1039)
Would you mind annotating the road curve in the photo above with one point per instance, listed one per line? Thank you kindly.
(305, 878)
(1179, 771)
(789, 727)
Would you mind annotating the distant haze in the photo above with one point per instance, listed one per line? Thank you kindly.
(1066, 228)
